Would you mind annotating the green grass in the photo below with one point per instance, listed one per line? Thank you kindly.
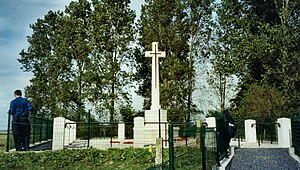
(110, 159)
(2, 142)
(94, 159)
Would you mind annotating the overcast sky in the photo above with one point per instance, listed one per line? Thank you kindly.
(15, 18)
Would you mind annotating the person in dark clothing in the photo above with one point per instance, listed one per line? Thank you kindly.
(231, 126)
(19, 109)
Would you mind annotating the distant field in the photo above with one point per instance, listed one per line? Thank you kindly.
(2, 141)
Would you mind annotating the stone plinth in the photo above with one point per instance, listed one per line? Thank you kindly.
(284, 131)
(250, 130)
(152, 126)
(152, 116)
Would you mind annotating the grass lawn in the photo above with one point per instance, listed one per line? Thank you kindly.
(186, 158)
(130, 158)
(2, 142)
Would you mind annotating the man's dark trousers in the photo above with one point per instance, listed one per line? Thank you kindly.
(21, 132)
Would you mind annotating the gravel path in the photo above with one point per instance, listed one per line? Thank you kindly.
(42, 147)
(263, 159)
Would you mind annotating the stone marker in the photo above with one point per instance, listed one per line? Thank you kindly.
(158, 156)
(250, 130)
(152, 115)
(284, 131)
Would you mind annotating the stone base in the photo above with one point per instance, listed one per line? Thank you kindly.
(151, 132)
(152, 116)
(151, 129)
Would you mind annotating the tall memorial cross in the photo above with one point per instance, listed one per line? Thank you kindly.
(155, 54)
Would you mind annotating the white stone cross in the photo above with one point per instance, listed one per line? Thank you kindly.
(155, 54)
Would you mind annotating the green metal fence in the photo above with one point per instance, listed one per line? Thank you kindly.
(192, 147)
(209, 147)
(222, 137)
(95, 133)
(240, 133)
(41, 131)
(266, 131)
(186, 146)
(296, 133)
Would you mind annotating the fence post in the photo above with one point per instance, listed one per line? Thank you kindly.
(34, 124)
(203, 149)
(239, 136)
(159, 152)
(89, 124)
(171, 147)
(250, 130)
(138, 132)
(58, 133)
(284, 128)
(41, 129)
(110, 133)
(47, 129)
(218, 142)
(8, 131)
(121, 132)
(75, 130)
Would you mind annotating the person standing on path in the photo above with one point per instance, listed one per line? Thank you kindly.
(19, 109)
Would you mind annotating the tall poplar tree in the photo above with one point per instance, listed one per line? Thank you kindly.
(48, 69)
(81, 56)
(223, 58)
(112, 34)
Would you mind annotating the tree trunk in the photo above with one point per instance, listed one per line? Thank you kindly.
(222, 92)
(112, 109)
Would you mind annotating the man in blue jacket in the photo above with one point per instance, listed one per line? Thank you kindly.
(19, 109)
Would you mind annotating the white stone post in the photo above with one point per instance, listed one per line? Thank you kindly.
(138, 135)
(121, 132)
(75, 129)
(67, 132)
(58, 133)
(284, 129)
(211, 122)
(250, 130)
(158, 149)
(72, 131)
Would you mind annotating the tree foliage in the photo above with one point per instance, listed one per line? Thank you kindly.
(174, 28)
(83, 56)
(78, 58)
(261, 46)
(261, 102)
